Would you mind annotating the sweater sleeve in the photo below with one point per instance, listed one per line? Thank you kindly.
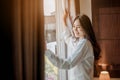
(67, 35)
(71, 61)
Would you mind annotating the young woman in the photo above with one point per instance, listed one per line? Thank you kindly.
(85, 49)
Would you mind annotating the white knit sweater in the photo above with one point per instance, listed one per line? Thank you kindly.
(80, 60)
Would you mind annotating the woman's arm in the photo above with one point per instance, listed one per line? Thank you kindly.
(70, 62)
(67, 27)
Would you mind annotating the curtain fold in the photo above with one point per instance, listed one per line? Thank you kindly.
(28, 39)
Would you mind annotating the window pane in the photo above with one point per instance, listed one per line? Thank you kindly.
(51, 72)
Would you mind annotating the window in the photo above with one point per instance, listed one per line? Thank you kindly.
(51, 71)
(53, 11)
(53, 27)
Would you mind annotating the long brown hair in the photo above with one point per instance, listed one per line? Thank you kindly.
(88, 28)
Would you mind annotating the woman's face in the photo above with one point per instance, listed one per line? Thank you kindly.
(78, 30)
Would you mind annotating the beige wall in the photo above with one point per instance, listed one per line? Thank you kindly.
(85, 7)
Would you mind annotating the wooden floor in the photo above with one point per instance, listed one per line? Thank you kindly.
(110, 79)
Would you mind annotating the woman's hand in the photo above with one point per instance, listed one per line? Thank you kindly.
(45, 47)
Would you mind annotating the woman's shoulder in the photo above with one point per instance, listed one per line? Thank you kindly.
(82, 42)
(85, 42)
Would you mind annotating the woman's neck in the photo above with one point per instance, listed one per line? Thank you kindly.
(81, 37)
